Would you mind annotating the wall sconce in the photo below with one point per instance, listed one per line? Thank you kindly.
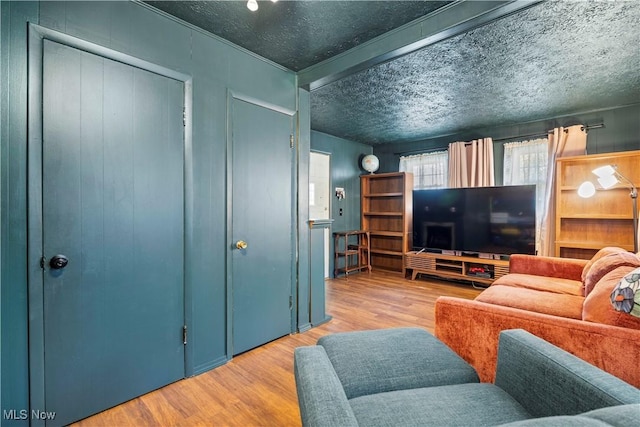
(608, 176)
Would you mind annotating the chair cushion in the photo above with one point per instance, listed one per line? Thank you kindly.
(562, 305)
(616, 416)
(461, 404)
(369, 362)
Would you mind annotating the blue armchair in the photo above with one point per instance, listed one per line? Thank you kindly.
(536, 384)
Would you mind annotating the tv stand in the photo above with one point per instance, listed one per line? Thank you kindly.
(455, 267)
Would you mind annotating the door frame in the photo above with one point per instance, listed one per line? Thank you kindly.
(35, 279)
(328, 256)
(232, 96)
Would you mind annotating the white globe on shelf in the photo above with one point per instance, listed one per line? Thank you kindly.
(370, 163)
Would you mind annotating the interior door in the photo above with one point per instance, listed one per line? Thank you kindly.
(261, 218)
(113, 209)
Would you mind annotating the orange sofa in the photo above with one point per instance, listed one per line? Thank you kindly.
(564, 301)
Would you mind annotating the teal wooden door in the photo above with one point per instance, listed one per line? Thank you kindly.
(261, 217)
(113, 205)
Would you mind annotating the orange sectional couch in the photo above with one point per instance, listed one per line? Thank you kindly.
(564, 301)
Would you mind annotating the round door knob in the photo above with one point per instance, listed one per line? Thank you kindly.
(241, 244)
(58, 262)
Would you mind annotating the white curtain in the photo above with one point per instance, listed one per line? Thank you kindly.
(430, 170)
(471, 164)
(526, 163)
(563, 142)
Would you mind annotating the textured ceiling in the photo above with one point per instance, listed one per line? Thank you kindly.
(297, 34)
(555, 58)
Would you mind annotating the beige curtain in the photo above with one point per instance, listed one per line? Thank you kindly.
(563, 142)
(471, 164)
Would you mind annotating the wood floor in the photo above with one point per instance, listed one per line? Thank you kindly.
(257, 388)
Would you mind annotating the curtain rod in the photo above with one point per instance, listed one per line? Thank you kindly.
(530, 135)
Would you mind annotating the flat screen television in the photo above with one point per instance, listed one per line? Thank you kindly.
(473, 221)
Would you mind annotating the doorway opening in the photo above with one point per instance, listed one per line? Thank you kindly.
(319, 195)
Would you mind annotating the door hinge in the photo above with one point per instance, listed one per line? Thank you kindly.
(290, 302)
(184, 117)
(43, 260)
(184, 335)
(290, 141)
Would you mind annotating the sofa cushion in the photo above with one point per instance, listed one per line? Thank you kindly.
(564, 268)
(598, 308)
(606, 264)
(541, 283)
(601, 253)
(562, 305)
(462, 405)
(369, 362)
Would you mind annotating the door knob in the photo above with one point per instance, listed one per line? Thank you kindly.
(241, 244)
(58, 262)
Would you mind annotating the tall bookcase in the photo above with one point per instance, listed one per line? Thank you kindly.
(585, 225)
(387, 214)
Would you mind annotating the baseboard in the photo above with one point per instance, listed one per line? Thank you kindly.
(304, 328)
(200, 369)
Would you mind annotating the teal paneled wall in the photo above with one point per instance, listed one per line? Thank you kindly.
(13, 194)
(621, 133)
(345, 173)
(304, 242)
(216, 67)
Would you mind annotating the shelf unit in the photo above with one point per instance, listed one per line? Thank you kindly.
(353, 248)
(387, 214)
(583, 226)
(455, 267)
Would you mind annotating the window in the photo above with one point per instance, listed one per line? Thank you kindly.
(526, 163)
(430, 170)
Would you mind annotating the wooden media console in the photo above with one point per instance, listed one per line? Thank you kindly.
(455, 267)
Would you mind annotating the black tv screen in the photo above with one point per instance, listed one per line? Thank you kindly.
(479, 220)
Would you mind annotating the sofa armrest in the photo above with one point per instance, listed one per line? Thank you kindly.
(548, 381)
(562, 268)
(320, 394)
(471, 329)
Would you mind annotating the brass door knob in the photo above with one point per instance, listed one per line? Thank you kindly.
(241, 244)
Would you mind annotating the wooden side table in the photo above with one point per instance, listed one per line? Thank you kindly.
(353, 247)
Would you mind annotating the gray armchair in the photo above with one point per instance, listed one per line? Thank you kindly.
(536, 384)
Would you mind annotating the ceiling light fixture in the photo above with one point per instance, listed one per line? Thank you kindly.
(252, 5)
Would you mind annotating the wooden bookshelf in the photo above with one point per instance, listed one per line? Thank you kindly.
(387, 214)
(583, 226)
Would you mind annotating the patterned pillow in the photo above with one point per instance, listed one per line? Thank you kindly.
(626, 295)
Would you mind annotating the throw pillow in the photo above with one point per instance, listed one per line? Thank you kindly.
(606, 264)
(597, 305)
(626, 295)
(601, 253)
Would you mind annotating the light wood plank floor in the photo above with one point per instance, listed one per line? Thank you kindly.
(257, 388)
